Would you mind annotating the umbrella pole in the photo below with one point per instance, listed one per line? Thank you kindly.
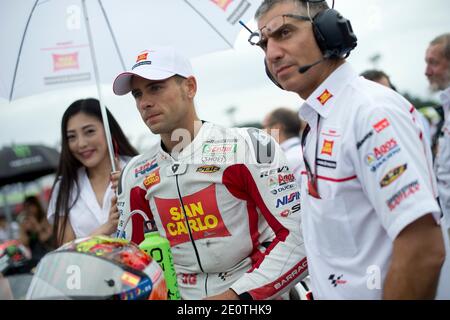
(97, 81)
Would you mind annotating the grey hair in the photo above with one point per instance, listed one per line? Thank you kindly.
(314, 6)
(445, 40)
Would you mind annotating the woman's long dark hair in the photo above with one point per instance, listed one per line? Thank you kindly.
(67, 174)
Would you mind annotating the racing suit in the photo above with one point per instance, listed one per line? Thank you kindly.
(229, 206)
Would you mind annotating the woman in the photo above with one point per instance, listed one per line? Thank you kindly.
(80, 203)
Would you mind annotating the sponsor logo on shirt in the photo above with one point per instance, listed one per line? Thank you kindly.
(189, 278)
(381, 125)
(327, 147)
(288, 199)
(392, 175)
(270, 172)
(208, 169)
(364, 139)
(402, 194)
(283, 188)
(330, 133)
(202, 212)
(219, 148)
(324, 97)
(381, 154)
(152, 179)
(326, 163)
(145, 168)
(336, 280)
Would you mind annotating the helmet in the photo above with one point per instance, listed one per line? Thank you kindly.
(98, 267)
(15, 258)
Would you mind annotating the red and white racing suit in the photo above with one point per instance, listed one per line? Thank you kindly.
(228, 205)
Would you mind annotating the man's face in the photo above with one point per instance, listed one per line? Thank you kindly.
(163, 104)
(288, 44)
(438, 67)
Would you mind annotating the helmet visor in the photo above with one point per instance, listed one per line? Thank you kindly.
(74, 275)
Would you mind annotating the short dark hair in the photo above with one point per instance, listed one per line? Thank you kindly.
(288, 119)
(375, 75)
(315, 6)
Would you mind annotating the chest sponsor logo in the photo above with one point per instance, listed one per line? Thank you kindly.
(145, 168)
(382, 154)
(401, 195)
(208, 169)
(202, 212)
(324, 97)
(381, 125)
(288, 199)
(270, 172)
(392, 175)
(364, 139)
(152, 179)
(219, 148)
(214, 159)
(326, 163)
(327, 147)
(277, 190)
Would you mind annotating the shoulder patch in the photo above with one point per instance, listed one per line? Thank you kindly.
(263, 145)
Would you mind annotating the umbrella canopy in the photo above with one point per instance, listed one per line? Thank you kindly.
(49, 42)
(23, 163)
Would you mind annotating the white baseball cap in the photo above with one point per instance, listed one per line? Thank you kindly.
(158, 63)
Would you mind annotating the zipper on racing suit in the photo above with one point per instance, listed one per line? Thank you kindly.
(186, 218)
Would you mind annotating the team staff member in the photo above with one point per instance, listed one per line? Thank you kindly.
(224, 198)
(369, 214)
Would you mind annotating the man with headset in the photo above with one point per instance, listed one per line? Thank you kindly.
(369, 211)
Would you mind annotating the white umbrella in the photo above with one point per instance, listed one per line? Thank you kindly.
(55, 44)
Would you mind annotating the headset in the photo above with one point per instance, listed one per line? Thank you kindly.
(334, 36)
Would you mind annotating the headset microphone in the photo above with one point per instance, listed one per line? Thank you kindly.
(305, 68)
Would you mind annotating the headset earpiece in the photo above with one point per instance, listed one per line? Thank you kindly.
(334, 34)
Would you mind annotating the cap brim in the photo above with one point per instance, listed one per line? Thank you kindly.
(122, 83)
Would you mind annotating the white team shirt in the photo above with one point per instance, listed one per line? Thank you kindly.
(375, 178)
(86, 215)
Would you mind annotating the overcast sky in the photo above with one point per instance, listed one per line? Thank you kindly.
(398, 30)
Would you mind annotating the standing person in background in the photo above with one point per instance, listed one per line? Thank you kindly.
(437, 58)
(383, 79)
(80, 203)
(35, 230)
(284, 125)
(370, 217)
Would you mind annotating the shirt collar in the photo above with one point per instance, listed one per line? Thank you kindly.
(322, 99)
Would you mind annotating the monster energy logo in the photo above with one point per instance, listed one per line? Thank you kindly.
(22, 151)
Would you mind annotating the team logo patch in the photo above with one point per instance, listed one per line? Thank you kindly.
(152, 179)
(141, 57)
(202, 212)
(401, 195)
(380, 126)
(145, 168)
(324, 97)
(381, 154)
(392, 175)
(327, 147)
(208, 169)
